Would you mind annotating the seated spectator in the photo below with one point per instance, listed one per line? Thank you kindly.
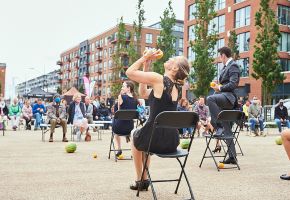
(110, 101)
(64, 103)
(38, 110)
(286, 144)
(204, 117)
(142, 111)
(184, 107)
(126, 100)
(76, 115)
(255, 117)
(3, 113)
(245, 110)
(281, 116)
(56, 114)
(14, 113)
(27, 114)
(89, 109)
(103, 113)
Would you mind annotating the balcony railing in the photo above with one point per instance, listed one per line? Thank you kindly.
(99, 47)
(59, 63)
(99, 82)
(87, 52)
(99, 58)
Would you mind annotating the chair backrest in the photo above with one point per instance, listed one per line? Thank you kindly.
(176, 119)
(230, 116)
(126, 114)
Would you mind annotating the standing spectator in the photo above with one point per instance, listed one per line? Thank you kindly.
(56, 114)
(204, 116)
(38, 110)
(3, 113)
(27, 114)
(184, 107)
(110, 101)
(255, 117)
(245, 110)
(76, 114)
(281, 115)
(14, 113)
(126, 100)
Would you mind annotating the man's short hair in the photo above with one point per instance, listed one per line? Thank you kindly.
(225, 50)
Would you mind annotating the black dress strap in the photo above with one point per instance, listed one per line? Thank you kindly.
(168, 86)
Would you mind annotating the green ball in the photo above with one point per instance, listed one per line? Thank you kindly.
(278, 140)
(184, 144)
(71, 148)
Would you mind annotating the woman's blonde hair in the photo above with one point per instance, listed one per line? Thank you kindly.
(77, 95)
(183, 70)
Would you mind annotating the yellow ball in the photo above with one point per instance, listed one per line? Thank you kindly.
(95, 155)
(212, 84)
(221, 165)
(121, 157)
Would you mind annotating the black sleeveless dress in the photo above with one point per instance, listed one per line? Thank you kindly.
(164, 140)
(124, 127)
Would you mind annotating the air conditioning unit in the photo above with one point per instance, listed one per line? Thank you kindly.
(288, 51)
(289, 25)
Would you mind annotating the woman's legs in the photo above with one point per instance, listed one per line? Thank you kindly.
(118, 141)
(139, 158)
(286, 141)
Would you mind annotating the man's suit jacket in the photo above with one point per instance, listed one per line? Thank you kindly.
(51, 112)
(229, 78)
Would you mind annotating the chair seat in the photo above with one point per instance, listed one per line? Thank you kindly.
(222, 137)
(176, 154)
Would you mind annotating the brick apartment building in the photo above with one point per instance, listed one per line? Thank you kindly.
(2, 78)
(239, 15)
(93, 57)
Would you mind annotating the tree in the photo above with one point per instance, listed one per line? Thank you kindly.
(265, 64)
(204, 69)
(233, 45)
(166, 40)
(81, 88)
(120, 53)
(58, 90)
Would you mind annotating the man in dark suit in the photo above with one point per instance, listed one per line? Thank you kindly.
(224, 98)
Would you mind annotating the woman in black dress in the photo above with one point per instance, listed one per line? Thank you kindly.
(164, 95)
(126, 100)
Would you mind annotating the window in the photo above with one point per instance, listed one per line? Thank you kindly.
(220, 43)
(191, 35)
(217, 24)
(191, 54)
(244, 66)
(149, 39)
(243, 42)
(284, 15)
(220, 4)
(239, 1)
(180, 43)
(242, 17)
(180, 53)
(191, 11)
(178, 28)
(284, 44)
(285, 64)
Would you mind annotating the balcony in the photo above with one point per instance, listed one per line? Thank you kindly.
(59, 63)
(87, 63)
(59, 72)
(99, 58)
(77, 67)
(68, 79)
(99, 82)
(77, 56)
(99, 70)
(87, 52)
(68, 70)
(68, 60)
(60, 81)
(99, 47)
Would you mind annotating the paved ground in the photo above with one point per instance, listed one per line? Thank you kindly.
(35, 170)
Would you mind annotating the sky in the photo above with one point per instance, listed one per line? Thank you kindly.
(33, 33)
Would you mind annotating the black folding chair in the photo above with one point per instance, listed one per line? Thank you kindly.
(174, 120)
(122, 115)
(231, 116)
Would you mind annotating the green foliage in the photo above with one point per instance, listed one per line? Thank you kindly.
(204, 69)
(167, 39)
(233, 45)
(137, 25)
(265, 64)
(58, 90)
(81, 88)
(115, 89)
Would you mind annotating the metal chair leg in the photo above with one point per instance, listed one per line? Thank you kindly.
(110, 146)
